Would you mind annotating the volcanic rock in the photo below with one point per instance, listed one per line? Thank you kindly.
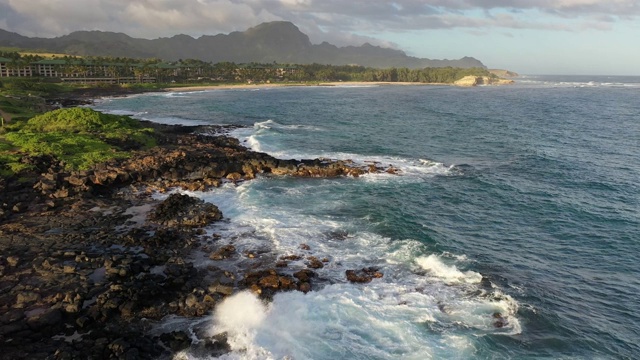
(222, 253)
(184, 210)
(364, 275)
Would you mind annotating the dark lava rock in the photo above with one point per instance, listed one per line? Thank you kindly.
(338, 235)
(314, 263)
(267, 282)
(500, 321)
(304, 275)
(46, 318)
(305, 287)
(222, 253)
(291, 257)
(184, 210)
(176, 340)
(364, 275)
(485, 283)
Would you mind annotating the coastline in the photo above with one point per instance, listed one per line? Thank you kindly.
(276, 85)
(106, 258)
(90, 259)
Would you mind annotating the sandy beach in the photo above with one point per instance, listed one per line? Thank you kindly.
(258, 86)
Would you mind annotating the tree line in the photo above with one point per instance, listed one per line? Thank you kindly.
(193, 70)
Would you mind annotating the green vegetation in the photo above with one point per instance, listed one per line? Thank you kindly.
(80, 137)
(444, 75)
(23, 98)
(78, 120)
(16, 109)
(10, 161)
(189, 71)
(33, 86)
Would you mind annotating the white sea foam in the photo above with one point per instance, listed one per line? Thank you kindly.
(415, 311)
(178, 94)
(264, 125)
(380, 320)
(125, 112)
(270, 124)
(253, 143)
(448, 273)
(338, 321)
(263, 137)
(240, 316)
(575, 84)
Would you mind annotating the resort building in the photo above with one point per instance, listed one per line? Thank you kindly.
(12, 68)
(94, 71)
(3, 67)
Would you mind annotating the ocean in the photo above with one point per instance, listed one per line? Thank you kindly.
(512, 231)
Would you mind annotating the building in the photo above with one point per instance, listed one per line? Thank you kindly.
(49, 68)
(92, 71)
(3, 66)
(13, 68)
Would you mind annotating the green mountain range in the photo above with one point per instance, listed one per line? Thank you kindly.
(279, 41)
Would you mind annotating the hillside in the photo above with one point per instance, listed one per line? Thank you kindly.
(278, 41)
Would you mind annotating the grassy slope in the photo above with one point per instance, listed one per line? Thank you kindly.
(80, 137)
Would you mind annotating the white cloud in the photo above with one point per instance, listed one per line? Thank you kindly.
(140, 18)
(332, 20)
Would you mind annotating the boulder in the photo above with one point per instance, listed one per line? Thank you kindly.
(363, 275)
(13, 261)
(305, 287)
(314, 263)
(304, 275)
(268, 282)
(25, 298)
(221, 289)
(184, 210)
(45, 318)
(222, 253)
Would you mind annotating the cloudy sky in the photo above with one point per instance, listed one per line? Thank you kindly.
(527, 36)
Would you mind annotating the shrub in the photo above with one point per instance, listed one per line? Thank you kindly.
(80, 120)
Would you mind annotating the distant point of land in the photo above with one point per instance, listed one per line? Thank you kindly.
(503, 73)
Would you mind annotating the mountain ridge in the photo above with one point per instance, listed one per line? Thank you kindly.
(278, 41)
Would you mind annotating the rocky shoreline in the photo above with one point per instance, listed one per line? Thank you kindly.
(90, 260)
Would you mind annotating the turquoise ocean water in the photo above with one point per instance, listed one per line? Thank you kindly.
(534, 186)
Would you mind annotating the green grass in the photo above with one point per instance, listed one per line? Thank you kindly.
(79, 120)
(20, 106)
(33, 86)
(10, 160)
(78, 151)
(80, 137)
